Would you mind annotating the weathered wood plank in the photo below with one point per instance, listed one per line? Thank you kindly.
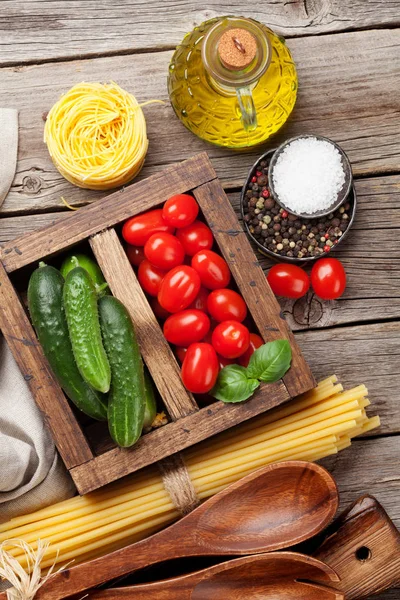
(347, 92)
(366, 354)
(51, 31)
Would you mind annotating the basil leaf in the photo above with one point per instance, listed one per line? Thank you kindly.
(270, 362)
(233, 385)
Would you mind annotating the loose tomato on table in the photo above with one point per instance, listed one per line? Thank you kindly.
(180, 210)
(328, 278)
(200, 368)
(150, 277)
(135, 254)
(225, 304)
(212, 268)
(137, 230)
(195, 237)
(186, 327)
(288, 280)
(231, 339)
(200, 302)
(179, 288)
(164, 251)
(255, 342)
(158, 310)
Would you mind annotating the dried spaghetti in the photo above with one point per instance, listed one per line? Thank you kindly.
(96, 136)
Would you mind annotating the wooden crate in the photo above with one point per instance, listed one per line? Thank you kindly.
(92, 468)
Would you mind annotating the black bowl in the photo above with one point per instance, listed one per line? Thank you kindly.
(352, 198)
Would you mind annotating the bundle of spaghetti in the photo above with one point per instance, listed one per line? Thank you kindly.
(315, 425)
(96, 136)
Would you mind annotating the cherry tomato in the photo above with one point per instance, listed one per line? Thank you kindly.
(328, 278)
(255, 342)
(212, 268)
(179, 288)
(225, 305)
(200, 368)
(186, 327)
(137, 230)
(195, 237)
(231, 339)
(224, 362)
(158, 310)
(164, 251)
(180, 353)
(200, 302)
(288, 280)
(150, 277)
(180, 210)
(135, 254)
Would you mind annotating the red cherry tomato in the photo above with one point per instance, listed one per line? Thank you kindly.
(288, 280)
(150, 277)
(200, 302)
(195, 237)
(137, 230)
(200, 368)
(186, 327)
(225, 305)
(158, 310)
(255, 342)
(180, 210)
(224, 362)
(179, 288)
(164, 251)
(231, 339)
(328, 278)
(135, 254)
(180, 353)
(212, 268)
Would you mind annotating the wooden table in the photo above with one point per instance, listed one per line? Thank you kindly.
(348, 58)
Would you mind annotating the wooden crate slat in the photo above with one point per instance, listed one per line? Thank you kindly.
(174, 437)
(154, 347)
(251, 280)
(19, 334)
(107, 212)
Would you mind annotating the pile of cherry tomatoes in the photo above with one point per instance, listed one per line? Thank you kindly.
(187, 284)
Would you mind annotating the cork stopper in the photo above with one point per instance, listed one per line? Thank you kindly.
(237, 49)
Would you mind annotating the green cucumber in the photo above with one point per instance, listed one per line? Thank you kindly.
(150, 409)
(86, 262)
(80, 303)
(45, 301)
(126, 402)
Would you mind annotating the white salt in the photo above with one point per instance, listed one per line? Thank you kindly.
(308, 175)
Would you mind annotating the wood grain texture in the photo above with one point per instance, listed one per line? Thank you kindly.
(240, 520)
(51, 31)
(57, 413)
(346, 92)
(365, 526)
(106, 212)
(174, 437)
(154, 348)
(251, 281)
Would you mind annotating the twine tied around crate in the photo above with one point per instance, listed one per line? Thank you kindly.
(178, 484)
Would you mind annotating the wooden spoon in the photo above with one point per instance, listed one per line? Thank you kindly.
(277, 576)
(273, 508)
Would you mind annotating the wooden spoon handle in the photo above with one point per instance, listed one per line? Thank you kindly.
(363, 547)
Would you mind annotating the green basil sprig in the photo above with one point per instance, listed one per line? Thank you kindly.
(268, 364)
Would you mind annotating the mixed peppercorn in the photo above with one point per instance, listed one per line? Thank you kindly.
(285, 234)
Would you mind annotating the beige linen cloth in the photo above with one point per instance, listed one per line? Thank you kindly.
(31, 473)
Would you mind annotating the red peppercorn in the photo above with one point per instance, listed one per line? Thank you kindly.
(265, 193)
(327, 248)
(285, 214)
(254, 179)
(258, 173)
(326, 236)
